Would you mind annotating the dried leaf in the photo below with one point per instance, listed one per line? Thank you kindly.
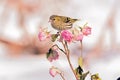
(54, 37)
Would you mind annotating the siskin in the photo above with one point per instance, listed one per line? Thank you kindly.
(61, 22)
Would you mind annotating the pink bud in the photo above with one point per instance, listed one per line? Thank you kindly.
(54, 71)
(41, 36)
(86, 30)
(79, 37)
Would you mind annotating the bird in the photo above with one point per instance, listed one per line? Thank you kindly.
(61, 22)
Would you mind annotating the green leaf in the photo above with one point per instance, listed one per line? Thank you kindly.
(54, 37)
(83, 76)
(79, 70)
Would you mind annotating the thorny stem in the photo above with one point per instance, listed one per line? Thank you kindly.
(62, 76)
(68, 58)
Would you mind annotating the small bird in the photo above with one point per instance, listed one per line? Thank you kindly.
(61, 22)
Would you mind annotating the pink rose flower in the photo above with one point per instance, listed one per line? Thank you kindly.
(52, 55)
(42, 36)
(67, 35)
(79, 37)
(86, 30)
(54, 71)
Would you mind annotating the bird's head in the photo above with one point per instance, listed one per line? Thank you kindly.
(52, 18)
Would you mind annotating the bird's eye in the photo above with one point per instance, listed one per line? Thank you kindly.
(53, 18)
(67, 20)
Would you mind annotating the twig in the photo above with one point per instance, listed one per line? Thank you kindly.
(62, 76)
(59, 48)
(71, 67)
(64, 47)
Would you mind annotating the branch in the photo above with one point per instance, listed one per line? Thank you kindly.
(59, 48)
(62, 76)
(68, 58)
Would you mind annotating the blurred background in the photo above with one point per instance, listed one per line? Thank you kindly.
(22, 55)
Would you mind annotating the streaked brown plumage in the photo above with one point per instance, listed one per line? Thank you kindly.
(61, 22)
